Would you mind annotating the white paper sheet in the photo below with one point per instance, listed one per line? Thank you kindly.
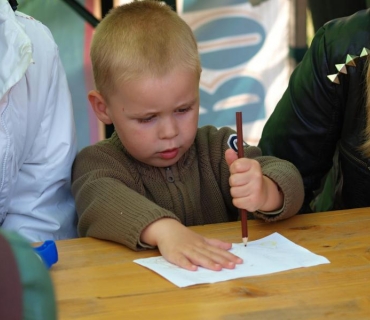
(271, 254)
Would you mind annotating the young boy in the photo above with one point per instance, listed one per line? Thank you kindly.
(158, 172)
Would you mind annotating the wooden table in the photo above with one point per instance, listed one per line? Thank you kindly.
(96, 279)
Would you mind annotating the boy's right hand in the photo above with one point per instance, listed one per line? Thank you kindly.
(187, 249)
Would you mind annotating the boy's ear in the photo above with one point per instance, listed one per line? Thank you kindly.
(99, 106)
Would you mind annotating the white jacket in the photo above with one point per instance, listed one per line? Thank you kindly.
(37, 132)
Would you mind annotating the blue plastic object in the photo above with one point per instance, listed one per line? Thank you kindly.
(48, 253)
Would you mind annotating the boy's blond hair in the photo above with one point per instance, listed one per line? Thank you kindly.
(140, 39)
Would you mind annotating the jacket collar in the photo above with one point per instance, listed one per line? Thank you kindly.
(15, 48)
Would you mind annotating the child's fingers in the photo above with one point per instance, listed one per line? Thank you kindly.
(230, 156)
(219, 244)
(211, 256)
(224, 246)
(183, 262)
(214, 258)
(244, 165)
(219, 254)
(194, 258)
(189, 250)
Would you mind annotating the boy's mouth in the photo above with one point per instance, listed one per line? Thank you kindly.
(169, 154)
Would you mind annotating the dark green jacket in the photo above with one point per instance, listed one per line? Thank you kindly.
(324, 109)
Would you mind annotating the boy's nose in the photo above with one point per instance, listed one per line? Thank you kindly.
(168, 129)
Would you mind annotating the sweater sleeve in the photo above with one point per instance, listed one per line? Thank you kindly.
(289, 180)
(110, 200)
(282, 172)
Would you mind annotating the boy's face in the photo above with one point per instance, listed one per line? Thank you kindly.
(156, 119)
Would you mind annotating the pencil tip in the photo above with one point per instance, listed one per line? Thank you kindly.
(245, 241)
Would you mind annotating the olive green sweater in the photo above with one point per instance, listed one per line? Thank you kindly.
(118, 196)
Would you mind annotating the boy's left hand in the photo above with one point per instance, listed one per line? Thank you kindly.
(250, 189)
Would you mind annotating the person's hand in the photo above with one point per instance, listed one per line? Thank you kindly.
(187, 249)
(250, 189)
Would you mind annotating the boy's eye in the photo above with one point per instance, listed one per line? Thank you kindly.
(145, 120)
(183, 110)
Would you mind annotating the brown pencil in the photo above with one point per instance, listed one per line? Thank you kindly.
(242, 212)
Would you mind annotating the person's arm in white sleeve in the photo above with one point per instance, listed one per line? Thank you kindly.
(41, 206)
